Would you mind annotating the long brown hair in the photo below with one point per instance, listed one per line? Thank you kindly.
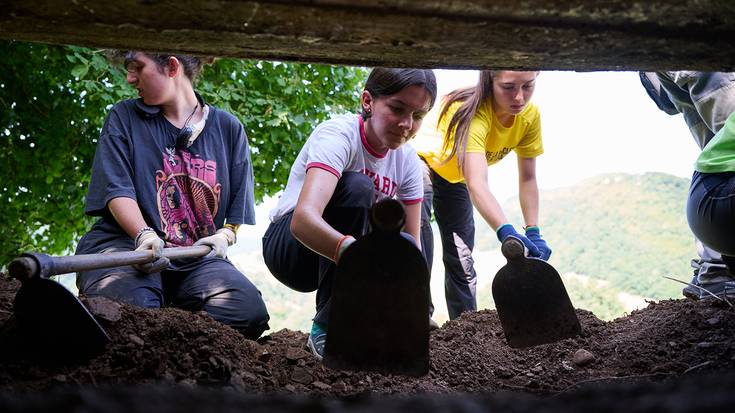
(459, 125)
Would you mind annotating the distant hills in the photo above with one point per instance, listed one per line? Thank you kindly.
(614, 236)
(621, 232)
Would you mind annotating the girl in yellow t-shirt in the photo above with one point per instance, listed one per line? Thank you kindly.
(479, 126)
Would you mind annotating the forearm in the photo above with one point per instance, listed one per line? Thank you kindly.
(475, 172)
(127, 214)
(413, 222)
(314, 232)
(529, 199)
(487, 205)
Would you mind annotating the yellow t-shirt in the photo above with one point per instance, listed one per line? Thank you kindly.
(486, 135)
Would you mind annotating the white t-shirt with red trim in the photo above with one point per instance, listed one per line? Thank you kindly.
(339, 145)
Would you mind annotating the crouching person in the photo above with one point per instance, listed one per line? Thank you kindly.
(711, 204)
(347, 164)
(171, 170)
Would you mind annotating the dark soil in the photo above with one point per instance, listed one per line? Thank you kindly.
(667, 341)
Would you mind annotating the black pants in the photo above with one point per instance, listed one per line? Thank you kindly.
(300, 268)
(453, 211)
(711, 212)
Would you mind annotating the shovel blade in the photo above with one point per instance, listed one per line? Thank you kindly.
(52, 319)
(532, 304)
(379, 311)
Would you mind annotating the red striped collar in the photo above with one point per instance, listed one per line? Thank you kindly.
(366, 144)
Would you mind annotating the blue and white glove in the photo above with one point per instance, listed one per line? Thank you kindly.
(533, 233)
(507, 230)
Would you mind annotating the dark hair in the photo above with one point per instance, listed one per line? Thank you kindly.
(192, 65)
(384, 81)
(459, 125)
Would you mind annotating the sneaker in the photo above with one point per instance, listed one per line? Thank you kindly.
(432, 324)
(721, 286)
(691, 291)
(317, 340)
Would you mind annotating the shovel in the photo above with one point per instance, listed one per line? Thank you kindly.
(51, 316)
(532, 303)
(380, 301)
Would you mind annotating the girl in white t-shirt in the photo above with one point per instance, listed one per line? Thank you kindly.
(347, 164)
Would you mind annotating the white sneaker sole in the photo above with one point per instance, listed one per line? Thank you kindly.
(312, 348)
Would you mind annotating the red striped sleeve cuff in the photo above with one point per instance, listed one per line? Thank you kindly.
(325, 167)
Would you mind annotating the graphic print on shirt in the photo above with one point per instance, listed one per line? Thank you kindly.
(384, 186)
(497, 155)
(188, 197)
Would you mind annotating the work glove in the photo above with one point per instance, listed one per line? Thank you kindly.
(533, 233)
(147, 239)
(223, 238)
(342, 245)
(507, 230)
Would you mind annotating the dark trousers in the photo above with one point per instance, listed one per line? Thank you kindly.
(711, 213)
(453, 212)
(213, 285)
(300, 268)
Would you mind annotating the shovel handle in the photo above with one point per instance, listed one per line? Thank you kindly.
(35, 265)
(513, 248)
(388, 215)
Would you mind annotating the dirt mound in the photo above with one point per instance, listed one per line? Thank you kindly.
(667, 340)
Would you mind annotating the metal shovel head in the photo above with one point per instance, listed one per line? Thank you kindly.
(55, 321)
(379, 310)
(532, 303)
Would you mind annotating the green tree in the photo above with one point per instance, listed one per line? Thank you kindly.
(53, 101)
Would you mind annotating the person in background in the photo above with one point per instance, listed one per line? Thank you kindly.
(479, 126)
(706, 100)
(346, 165)
(172, 170)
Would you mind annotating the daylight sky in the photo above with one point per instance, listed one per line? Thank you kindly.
(593, 123)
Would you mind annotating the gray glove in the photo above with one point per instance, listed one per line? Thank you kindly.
(147, 239)
(223, 238)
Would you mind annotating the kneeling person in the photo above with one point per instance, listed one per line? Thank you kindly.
(347, 164)
(170, 170)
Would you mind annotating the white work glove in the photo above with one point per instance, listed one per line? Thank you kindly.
(223, 238)
(342, 245)
(147, 239)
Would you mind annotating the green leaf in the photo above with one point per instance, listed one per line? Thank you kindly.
(79, 71)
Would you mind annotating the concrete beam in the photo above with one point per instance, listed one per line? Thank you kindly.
(520, 34)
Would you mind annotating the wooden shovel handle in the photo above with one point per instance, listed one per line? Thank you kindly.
(34, 265)
(513, 248)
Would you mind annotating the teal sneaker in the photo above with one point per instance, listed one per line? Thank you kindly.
(317, 340)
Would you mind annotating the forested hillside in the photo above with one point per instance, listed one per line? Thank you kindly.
(616, 234)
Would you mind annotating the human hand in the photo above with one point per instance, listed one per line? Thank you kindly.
(533, 233)
(507, 230)
(147, 239)
(223, 238)
(342, 245)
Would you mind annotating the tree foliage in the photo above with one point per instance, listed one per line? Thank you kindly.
(53, 101)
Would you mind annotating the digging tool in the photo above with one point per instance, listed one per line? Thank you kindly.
(50, 315)
(380, 301)
(532, 303)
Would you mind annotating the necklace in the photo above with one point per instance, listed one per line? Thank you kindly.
(182, 139)
(186, 122)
